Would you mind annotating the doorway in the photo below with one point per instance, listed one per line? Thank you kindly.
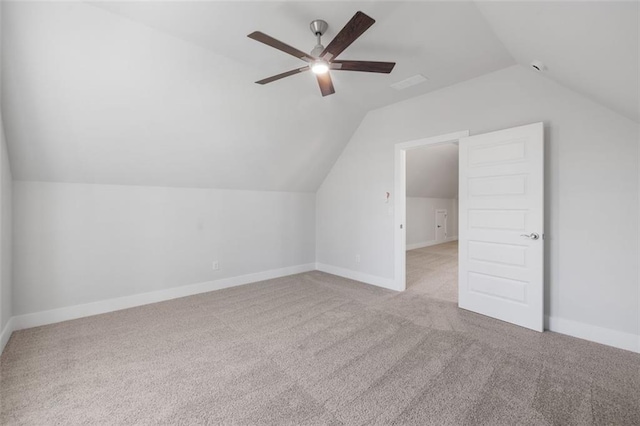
(431, 221)
(501, 232)
(401, 212)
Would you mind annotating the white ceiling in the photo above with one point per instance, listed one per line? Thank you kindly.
(162, 93)
(432, 172)
(588, 46)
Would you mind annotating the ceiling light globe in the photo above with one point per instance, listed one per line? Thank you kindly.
(320, 67)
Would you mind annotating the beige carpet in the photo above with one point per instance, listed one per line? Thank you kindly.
(433, 271)
(311, 349)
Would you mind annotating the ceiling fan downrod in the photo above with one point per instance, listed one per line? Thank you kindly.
(318, 28)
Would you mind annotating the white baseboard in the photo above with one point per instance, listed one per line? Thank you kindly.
(358, 276)
(605, 336)
(6, 334)
(78, 311)
(618, 339)
(430, 243)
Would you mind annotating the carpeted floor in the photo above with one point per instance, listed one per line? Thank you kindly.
(433, 271)
(311, 349)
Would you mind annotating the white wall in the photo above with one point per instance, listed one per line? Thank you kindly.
(421, 220)
(591, 189)
(80, 243)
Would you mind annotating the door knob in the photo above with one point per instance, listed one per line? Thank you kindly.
(533, 236)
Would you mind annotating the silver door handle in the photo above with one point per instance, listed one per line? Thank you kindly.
(533, 236)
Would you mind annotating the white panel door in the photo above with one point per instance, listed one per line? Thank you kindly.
(441, 225)
(501, 249)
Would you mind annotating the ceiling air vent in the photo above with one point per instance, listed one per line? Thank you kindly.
(408, 82)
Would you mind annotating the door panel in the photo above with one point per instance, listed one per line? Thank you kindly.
(441, 225)
(501, 269)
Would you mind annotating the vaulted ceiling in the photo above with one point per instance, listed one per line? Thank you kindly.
(588, 46)
(162, 93)
(432, 172)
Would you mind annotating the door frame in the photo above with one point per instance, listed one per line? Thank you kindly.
(446, 219)
(400, 205)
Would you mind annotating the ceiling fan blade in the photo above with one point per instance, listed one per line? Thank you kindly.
(354, 29)
(365, 66)
(283, 75)
(326, 85)
(277, 44)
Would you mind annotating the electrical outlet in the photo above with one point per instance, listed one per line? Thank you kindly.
(215, 265)
(357, 258)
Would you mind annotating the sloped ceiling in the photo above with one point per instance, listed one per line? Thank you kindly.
(588, 46)
(433, 172)
(162, 93)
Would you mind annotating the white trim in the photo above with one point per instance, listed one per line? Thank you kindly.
(358, 276)
(6, 334)
(400, 206)
(617, 339)
(593, 333)
(78, 311)
(430, 243)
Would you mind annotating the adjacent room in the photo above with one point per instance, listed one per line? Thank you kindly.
(432, 221)
(319, 213)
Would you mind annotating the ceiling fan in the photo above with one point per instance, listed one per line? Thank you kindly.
(322, 59)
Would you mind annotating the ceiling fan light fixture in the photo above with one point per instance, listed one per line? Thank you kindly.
(320, 67)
